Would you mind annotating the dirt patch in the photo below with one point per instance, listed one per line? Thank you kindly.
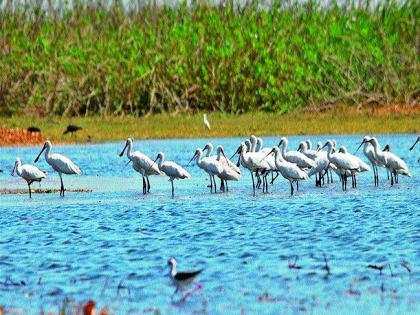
(19, 137)
(40, 191)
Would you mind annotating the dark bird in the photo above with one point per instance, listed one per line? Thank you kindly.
(72, 129)
(34, 129)
(181, 279)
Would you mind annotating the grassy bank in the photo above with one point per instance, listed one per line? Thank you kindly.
(339, 121)
(97, 59)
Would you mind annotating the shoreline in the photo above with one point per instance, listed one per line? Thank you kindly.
(383, 120)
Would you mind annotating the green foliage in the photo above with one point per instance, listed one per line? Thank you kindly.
(108, 59)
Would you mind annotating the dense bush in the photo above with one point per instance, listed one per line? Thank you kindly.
(92, 58)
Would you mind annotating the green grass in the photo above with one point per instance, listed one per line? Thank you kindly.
(343, 121)
(102, 60)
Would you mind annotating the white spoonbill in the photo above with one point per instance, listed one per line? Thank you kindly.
(294, 156)
(60, 164)
(304, 148)
(345, 165)
(141, 163)
(230, 170)
(251, 161)
(368, 151)
(211, 166)
(363, 167)
(289, 171)
(28, 172)
(171, 169)
(392, 162)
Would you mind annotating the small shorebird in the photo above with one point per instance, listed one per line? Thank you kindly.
(60, 163)
(181, 279)
(28, 172)
(206, 122)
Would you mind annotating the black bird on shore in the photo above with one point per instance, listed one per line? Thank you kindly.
(34, 129)
(72, 129)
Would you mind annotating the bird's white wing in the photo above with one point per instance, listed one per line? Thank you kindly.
(63, 164)
(172, 169)
(31, 172)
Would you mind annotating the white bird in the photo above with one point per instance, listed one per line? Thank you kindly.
(251, 161)
(206, 122)
(181, 279)
(171, 169)
(256, 148)
(211, 166)
(345, 165)
(289, 171)
(393, 163)
(294, 156)
(141, 163)
(368, 151)
(321, 160)
(304, 148)
(60, 164)
(363, 166)
(28, 172)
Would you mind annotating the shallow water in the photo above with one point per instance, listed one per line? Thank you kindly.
(86, 245)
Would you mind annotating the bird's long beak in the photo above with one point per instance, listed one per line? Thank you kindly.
(236, 152)
(129, 161)
(150, 167)
(299, 148)
(223, 152)
(205, 147)
(195, 154)
(37, 158)
(324, 145)
(267, 155)
(412, 147)
(281, 141)
(362, 143)
(13, 170)
(122, 152)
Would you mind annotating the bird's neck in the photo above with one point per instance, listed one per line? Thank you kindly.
(160, 162)
(377, 149)
(173, 270)
(19, 169)
(129, 153)
(330, 154)
(209, 150)
(47, 153)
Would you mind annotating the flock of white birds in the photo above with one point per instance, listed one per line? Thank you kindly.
(260, 161)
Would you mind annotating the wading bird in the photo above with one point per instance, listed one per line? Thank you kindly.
(294, 156)
(251, 161)
(391, 162)
(182, 279)
(72, 129)
(211, 166)
(206, 122)
(171, 169)
(60, 164)
(368, 151)
(345, 165)
(289, 171)
(28, 172)
(141, 163)
(230, 170)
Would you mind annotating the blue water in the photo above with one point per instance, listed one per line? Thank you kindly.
(85, 245)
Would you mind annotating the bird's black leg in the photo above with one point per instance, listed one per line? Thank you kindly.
(148, 184)
(227, 187)
(297, 185)
(222, 185)
(272, 180)
(258, 179)
(144, 185)
(392, 180)
(211, 185)
(328, 176)
(172, 183)
(331, 176)
(266, 183)
(62, 186)
(30, 194)
(291, 188)
(253, 182)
